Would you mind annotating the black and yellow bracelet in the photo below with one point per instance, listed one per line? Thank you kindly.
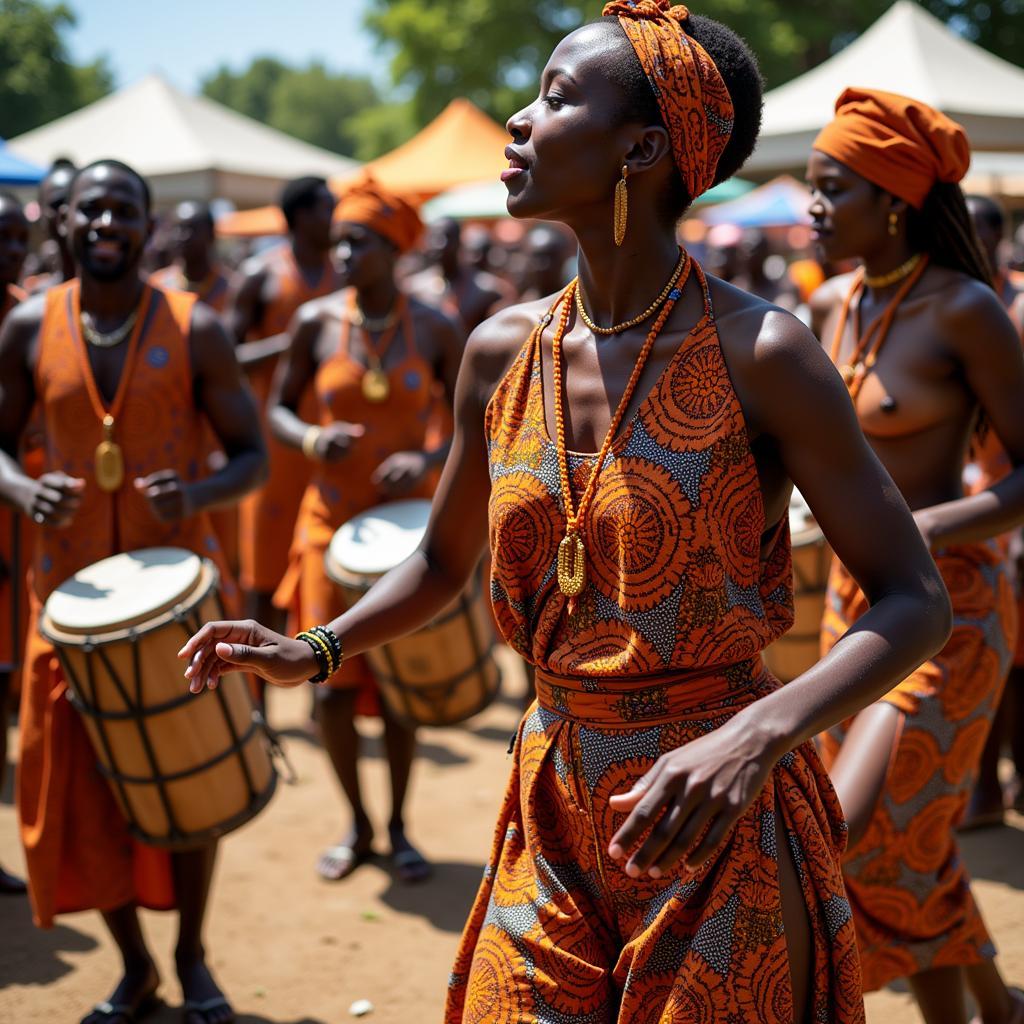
(328, 634)
(326, 648)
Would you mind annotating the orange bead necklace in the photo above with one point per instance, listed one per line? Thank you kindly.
(572, 572)
(863, 358)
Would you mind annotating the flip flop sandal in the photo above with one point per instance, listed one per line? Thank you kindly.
(125, 1011)
(411, 866)
(204, 1009)
(349, 858)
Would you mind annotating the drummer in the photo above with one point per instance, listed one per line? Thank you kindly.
(373, 356)
(153, 363)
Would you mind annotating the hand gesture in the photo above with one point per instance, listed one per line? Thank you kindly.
(400, 473)
(53, 499)
(221, 647)
(336, 439)
(690, 800)
(167, 495)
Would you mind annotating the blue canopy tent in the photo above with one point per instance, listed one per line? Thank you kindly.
(15, 171)
(782, 202)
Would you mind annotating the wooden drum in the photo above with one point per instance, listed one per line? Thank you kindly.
(185, 768)
(445, 672)
(797, 650)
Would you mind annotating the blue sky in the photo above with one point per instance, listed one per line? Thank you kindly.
(187, 39)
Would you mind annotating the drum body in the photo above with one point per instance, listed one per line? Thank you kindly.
(796, 651)
(443, 673)
(185, 768)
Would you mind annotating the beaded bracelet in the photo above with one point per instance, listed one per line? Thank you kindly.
(328, 634)
(326, 649)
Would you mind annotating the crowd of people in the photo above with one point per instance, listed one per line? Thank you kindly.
(618, 421)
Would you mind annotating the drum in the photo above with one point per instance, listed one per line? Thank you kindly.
(445, 672)
(797, 650)
(184, 768)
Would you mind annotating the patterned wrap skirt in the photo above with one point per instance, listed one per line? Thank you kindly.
(560, 933)
(907, 882)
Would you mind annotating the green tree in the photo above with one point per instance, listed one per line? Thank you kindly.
(492, 51)
(38, 81)
(311, 103)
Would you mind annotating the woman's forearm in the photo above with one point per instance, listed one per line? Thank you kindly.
(252, 353)
(287, 427)
(989, 513)
(894, 637)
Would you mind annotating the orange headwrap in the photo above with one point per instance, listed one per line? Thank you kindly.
(900, 144)
(692, 97)
(389, 215)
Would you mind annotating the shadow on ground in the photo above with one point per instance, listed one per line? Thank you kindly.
(30, 956)
(996, 854)
(444, 900)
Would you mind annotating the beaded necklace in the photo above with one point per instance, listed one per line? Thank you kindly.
(572, 571)
(863, 359)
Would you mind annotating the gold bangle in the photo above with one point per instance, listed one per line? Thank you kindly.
(309, 440)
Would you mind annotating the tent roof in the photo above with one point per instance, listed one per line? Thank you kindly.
(461, 146)
(161, 131)
(907, 51)
(15, 171)
(781, 202)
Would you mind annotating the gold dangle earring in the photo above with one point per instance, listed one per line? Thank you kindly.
(621, 206)
(894, 225)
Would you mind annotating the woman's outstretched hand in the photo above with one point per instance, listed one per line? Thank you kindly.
(221, 647)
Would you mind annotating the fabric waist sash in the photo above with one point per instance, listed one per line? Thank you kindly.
(629, 702)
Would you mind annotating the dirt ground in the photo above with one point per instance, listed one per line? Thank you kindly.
(290, 949)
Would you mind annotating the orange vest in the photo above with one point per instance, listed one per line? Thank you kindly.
(213, 289)
(77, 848)
(267, 518)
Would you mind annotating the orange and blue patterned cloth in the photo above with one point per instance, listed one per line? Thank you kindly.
(686, 586)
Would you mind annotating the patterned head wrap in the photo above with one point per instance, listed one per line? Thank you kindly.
(692, 97)
(368, 203)
(899, 144)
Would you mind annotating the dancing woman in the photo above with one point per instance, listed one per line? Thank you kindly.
(924, 346)
(669, 847)
(373, 358)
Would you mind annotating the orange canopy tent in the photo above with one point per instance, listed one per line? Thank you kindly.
(461, 145)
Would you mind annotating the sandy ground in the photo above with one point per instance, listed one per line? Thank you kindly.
(291, 949)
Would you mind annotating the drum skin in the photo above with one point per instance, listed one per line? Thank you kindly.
(441, 674)
(796, 651)
(184, 768)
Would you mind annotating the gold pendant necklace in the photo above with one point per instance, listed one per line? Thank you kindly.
(571, 565)
(376, 386)
(109, 459)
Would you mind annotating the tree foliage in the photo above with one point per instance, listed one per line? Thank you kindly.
(311, 103)
(492, 51)
(38, 81)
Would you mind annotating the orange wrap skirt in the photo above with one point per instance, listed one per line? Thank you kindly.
(906, 880)
(559, 932)
(79, 851)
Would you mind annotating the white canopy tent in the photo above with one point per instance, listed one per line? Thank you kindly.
(907, 51)
(188, 147)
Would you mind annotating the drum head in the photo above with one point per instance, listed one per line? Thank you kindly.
(379, 539)
(123, 590)
(802, 525)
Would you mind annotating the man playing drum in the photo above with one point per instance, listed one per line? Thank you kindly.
(373, 357)
(124, 374)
